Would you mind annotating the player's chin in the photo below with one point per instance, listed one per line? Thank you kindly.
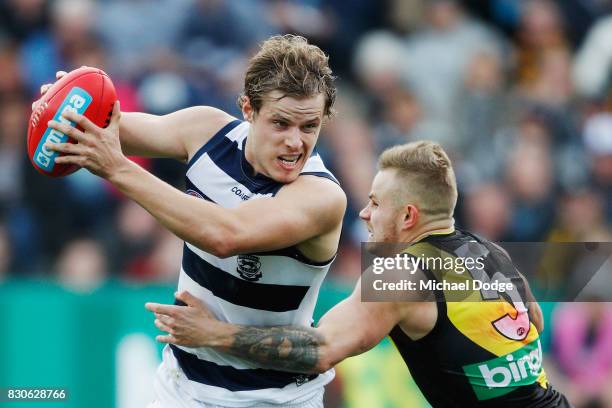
(286, 178)
(286, 174)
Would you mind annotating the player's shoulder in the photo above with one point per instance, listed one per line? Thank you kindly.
(201, 124)
(310, 185)
(316, 195)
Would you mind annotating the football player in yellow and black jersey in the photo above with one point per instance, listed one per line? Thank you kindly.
(480, 350)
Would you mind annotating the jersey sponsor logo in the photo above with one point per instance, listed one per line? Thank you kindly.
(501, 375)
(249, 267)
(238, 191)
(77, 101)
(194, 193)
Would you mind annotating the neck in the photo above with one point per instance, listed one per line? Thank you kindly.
(445, 226)
(249, 156)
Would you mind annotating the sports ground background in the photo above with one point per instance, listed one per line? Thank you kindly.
(519, 92)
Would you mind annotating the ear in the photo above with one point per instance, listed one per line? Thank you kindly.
(411, 217)
(247, 109)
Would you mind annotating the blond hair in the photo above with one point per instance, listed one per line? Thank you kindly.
(426, 175)
(287, 63)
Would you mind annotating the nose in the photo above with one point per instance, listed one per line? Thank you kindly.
(364, 214)
(293, 140)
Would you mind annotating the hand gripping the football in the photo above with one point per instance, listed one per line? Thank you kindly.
(97, 149)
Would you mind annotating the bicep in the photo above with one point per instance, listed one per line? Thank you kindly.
(176, 135)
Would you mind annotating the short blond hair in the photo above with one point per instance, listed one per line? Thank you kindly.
(426, 175)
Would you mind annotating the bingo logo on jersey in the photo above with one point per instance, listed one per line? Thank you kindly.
(77, 101)
(501, 375)
(249, 267)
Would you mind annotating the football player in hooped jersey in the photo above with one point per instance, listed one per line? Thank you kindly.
(261, 221)
(483, 351)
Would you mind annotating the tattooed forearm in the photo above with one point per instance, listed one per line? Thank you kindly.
(287, 348)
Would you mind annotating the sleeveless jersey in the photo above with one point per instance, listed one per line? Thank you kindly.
(483, 351)
(262, 289)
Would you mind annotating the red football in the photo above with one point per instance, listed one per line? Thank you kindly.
(88, 91)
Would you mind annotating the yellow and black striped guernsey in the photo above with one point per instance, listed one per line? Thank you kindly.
(483, 351)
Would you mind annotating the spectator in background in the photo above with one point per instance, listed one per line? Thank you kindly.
(19, 222)
(436, 59)
(377, 62)
(14, 113)
(481, 108)
(529, 174)
(581, 218)
(224, 26)
(541, 30)
(399, 118)
(598, 141)
(551, 84)
(5, 253)
(152, 27)
(11, 79)
(81, 265)
(132, 240)
(214, 54)
(44, 51)
(593, 61)
(488, 211)
(582, 348)
(163, 258)
(20, 18)
(393, 110)
(349, 143)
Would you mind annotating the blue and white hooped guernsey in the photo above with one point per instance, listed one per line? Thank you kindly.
(263, 289)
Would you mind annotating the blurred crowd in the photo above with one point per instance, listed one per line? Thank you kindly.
(519, 92)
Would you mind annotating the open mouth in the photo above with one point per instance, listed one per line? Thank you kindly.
(289, 161)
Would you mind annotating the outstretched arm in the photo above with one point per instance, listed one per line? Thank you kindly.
(306, 208)
(177, 135)
(350, 328)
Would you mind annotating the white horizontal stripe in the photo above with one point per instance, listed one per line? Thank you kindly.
(275, 269)
(228, 312)
(315, 163)
(238, 399)
(238, 133)
(218, 185)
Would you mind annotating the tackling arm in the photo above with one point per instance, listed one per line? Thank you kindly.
(350, 328)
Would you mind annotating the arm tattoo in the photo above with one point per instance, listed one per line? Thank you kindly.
(286, 348)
